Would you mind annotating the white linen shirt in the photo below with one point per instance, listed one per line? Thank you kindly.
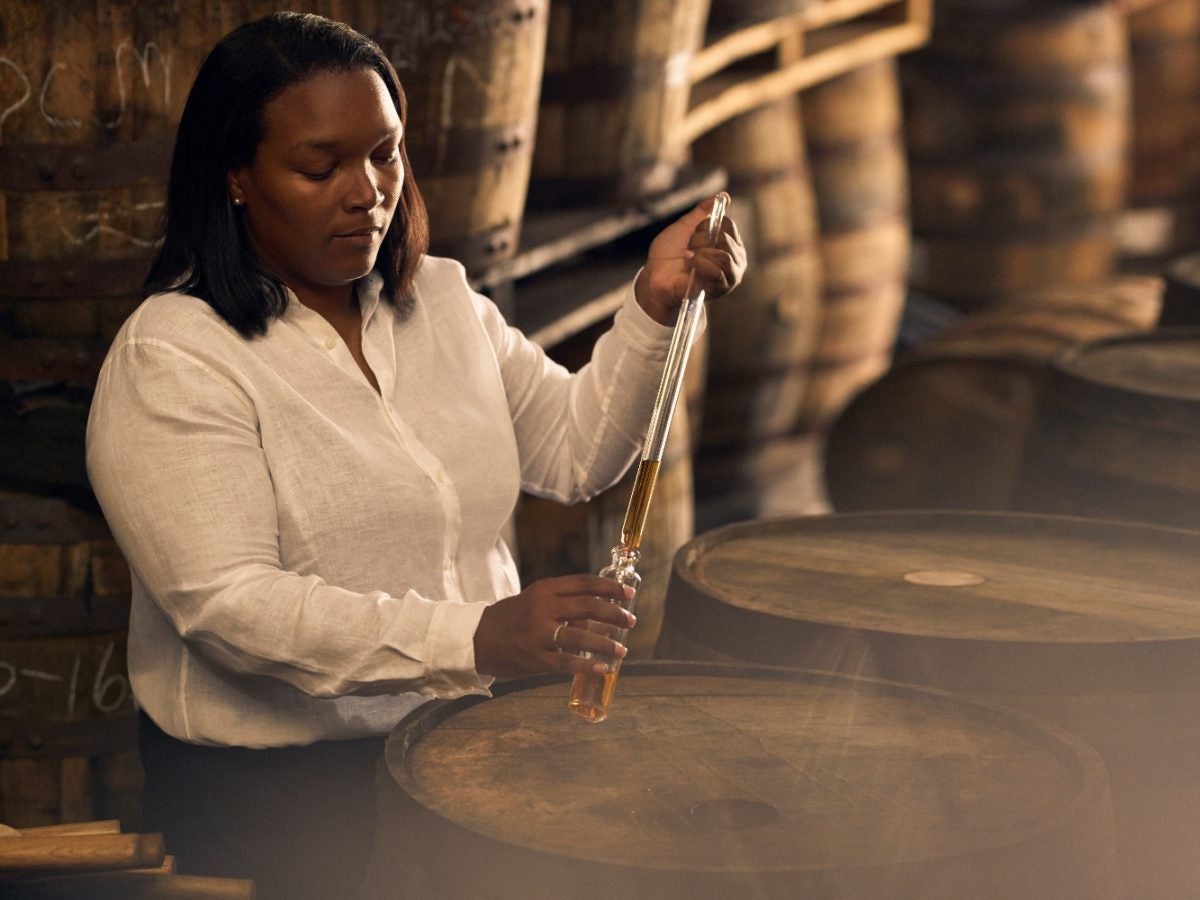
(311, 558)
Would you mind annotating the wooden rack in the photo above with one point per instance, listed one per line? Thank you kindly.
(550, 298)
(821, 42)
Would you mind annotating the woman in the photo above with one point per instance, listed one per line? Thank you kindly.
(307, 441)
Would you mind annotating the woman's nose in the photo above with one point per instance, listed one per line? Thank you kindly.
(364, 192)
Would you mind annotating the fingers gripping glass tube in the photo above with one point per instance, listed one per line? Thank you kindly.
(591, 694)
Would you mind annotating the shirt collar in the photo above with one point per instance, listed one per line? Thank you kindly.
(313, 323)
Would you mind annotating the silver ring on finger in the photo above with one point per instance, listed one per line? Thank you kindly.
(561, 626)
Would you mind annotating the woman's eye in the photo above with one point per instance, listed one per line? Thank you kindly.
(387, 159)
(317, 176)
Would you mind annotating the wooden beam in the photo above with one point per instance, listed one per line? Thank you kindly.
(734, 95)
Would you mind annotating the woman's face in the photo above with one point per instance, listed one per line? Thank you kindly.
(323, 187)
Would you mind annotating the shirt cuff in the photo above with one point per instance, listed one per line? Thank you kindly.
(640, 331)
(637, 329)
(450, 649)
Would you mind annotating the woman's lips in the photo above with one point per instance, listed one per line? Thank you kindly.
(360, 237)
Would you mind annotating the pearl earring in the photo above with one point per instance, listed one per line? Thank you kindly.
(238, 201)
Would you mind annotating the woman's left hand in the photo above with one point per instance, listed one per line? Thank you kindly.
(679, 249)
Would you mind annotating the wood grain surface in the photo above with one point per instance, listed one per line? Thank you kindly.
(734, 781)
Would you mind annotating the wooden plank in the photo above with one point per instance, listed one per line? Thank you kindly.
(102, 826)
(564, 303)
(745, 42)
(79, 852)
(556, 235)
(134, 885)
(831, 54)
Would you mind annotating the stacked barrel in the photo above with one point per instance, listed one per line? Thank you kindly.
(1052, 157)
(1052, 193)
(89, 100)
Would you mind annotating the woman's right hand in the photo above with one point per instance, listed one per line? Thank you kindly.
(544, 628)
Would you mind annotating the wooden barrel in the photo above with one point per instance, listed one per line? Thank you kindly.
(91, 93)
(89, 96)
(716, 781)
(1017, 131)
(1164, 176)
(1181, 296)
(472, 71)
(613, 98)
(67, 737)
(860, 179)
(1117, 433)
(946, 427)
(760, 344)
(42, 431)
(1088, 624)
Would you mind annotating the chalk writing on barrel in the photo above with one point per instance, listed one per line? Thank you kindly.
(125, 50)
(109, 691)
(143, 61)
(100, 223)
(13, 107)
(411, 29)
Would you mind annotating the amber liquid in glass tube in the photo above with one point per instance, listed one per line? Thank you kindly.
(592, 692)
(639, 503)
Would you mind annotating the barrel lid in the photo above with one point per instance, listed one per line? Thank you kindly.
(1138, 376)
(715, 773)
(1037, 596)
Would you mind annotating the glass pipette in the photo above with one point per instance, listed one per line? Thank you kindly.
(591, 694)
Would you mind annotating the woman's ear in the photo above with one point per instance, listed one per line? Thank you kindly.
(237, 194)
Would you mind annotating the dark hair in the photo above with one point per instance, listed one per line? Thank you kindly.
(205, 250)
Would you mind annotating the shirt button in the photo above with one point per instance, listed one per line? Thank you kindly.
(330, 343)
(449, 565)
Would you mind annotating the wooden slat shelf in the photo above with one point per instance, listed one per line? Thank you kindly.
(825, 40)
(563, 303)
(555, 292)
(552, 236)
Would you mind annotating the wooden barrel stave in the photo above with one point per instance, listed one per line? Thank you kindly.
(69, 748)
(1036, 101)
(1164, 176)
(614, 97)
(760, 345)
(1117, 431)
(471, 72)
(859, 172)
